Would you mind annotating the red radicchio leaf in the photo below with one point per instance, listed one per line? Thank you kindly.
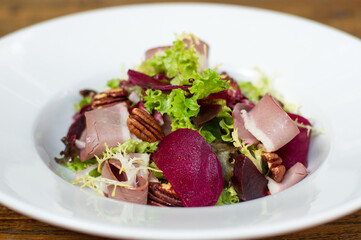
(145, 81)
(137, 105)
(78, 126)
(232, 96)
(248, 182)
(70, 151)
(206, 113)
(190, 165)
(158, 117)
(297, 149)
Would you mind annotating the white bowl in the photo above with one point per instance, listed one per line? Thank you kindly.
(42, 68)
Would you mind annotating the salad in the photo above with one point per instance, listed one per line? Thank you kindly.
(177, 133)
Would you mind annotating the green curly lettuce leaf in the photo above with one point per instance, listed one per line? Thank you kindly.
(206, 83)
(254, 92)
(226, 122)
(177, 62)
(134, 146)
(77, 165)
(179, 108)
(228, 196)
(180, 105)
(207, 135)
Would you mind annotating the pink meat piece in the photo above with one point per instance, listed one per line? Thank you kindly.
(292, 176)
(243, 133)
(200, 46)
(270, 124)
(105, 125)
(136, 194)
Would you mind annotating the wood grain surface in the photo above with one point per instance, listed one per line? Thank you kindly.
(16, 14)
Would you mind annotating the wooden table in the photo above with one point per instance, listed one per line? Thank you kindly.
(15, 14)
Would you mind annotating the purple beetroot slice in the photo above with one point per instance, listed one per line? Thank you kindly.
(190, 165)
(297, 149)
(248, 182)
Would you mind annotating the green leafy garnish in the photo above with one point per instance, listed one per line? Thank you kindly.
(134, 146)
(77, 165)
(206, 83)
(228, 196)
(85, 101)
(179, 108)
(114, 83)
(179, 104)
(251, 152)
(176, 62)
(254, 92)
(156, 172)
(226, 122)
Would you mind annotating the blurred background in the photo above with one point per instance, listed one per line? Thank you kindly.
(344, 15)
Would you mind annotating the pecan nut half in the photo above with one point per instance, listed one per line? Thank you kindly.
(144, 126)
(109, 98)
(275, 166)
(163, 195)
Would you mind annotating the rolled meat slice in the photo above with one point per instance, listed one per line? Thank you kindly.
(270, 124)
(136, 177)
(292, 176)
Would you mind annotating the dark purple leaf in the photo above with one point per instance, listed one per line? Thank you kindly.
(70, 151)
(78, 125)
(206, 113)
(145, 81)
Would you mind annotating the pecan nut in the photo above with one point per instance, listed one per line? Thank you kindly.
(109, 98)
(144, 126)
(275, 166)
(163, 195)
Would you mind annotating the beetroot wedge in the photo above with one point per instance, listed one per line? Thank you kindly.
(248, 182)
(190, 165)
(297, 149)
